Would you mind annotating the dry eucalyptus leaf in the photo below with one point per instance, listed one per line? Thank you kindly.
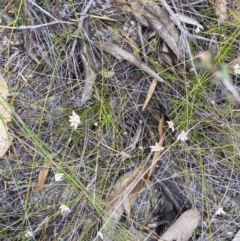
(120, 200)
(43, 175)
(237, 236)
(157, 19)
(189, 20)
(125, 191)
(3, 87)
(137, 184)
(184, 227)
(150, 93)
(4, 139)
(221, 10)
(5, 116)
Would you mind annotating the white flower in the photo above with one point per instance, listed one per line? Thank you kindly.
(74, 120)
(58, 177)
(182, 136)
(220, 211)
(236, 69)
(171, 125)
(199, 28)
(64, 209)
(29, 234)
(157, 147)
(99, 233)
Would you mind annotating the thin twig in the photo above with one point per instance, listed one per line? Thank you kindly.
(83, 16)
(34, 26)
(169, 195)
(142, 42)
(44, 11)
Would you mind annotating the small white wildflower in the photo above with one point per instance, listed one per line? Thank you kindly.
(236, 69)
(99, 233)
(199, 28)
(223, 36)
(58, 177)
(182, 136)
(156, 148)
(220, 211)
(64, 209)
(74, 120)
(171, 125)
(29, 234)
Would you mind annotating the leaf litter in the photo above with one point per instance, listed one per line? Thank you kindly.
(70, 80)
(5, 116)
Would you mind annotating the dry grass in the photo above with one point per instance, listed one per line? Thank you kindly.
(47, 80)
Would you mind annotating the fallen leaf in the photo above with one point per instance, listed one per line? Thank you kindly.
(221, 10)
(3, 87)
(124, 193)
(4, 139)
(189, 20)
(153, 16)
(135, 186)
(237, 236)
(184, 226)
(5, 116)
(150, 93)
(43, 175)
